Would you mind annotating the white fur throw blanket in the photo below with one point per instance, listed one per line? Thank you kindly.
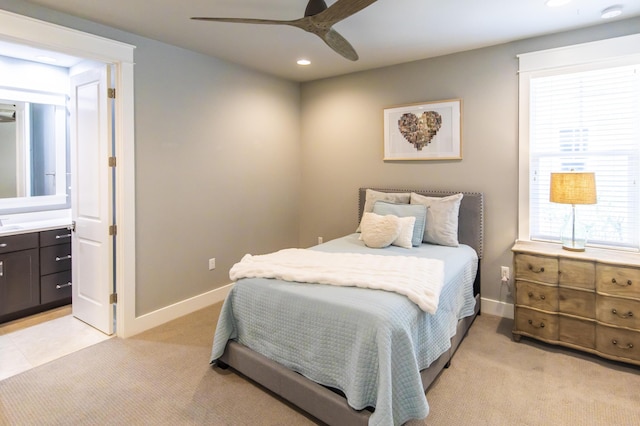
(419, 279)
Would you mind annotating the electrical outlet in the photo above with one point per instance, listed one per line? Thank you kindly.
(320, 240)
(212, 263)
(505, 273)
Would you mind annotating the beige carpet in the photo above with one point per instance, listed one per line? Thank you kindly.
(163, 377)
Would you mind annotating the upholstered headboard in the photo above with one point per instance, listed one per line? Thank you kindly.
(470, 217)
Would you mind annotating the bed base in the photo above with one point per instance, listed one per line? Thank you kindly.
(321, 402)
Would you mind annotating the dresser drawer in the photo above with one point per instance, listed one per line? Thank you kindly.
(55, 237)
(55, 259)
(577, 273)
(618, 342)
(577, 331)
(19, 242)
(577, 302)
(621, 312)
(537, 296)
(536, 268)
(539, 324)
(55, 287)
(618, 280)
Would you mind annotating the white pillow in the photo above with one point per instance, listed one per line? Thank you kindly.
(379, 231)
(405, 237)
(373, 196)
(442, 218)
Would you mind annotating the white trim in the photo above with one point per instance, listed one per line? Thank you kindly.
(24, 30)
(585, 53)
(177, 310)
(497, 308)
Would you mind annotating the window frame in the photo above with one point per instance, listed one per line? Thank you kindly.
(606, 53)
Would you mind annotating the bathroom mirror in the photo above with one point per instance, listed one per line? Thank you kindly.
(33, 156)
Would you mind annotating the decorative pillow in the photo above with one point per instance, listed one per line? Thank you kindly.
(373, 196)
(405, 235)
(442, 218)
(418, 211)
(379, 231)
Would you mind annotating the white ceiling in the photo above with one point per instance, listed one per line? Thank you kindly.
(385, 33)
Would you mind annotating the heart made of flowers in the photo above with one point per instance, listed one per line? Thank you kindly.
(419, 131)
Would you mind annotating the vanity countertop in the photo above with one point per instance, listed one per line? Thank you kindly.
(34, 226)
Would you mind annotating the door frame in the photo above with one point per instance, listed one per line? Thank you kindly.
(32, 32)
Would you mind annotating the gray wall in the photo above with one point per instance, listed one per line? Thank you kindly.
(217, 164)
(342, 137)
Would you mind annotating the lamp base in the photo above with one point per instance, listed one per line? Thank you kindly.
(571, 248)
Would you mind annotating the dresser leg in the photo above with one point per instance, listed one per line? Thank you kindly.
(516, 337)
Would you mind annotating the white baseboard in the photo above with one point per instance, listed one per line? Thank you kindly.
(497, 308)
(177, 310)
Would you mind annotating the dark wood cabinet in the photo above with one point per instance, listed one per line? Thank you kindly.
(19, 273)
(35, 272)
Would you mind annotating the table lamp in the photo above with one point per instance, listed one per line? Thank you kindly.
(573, 188)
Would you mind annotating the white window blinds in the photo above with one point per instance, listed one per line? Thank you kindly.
(587, 121)
(583, 117)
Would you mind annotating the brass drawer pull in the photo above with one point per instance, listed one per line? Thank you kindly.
(536, 270)
(614, 281)
(67, 257)
(59, 286)
(629, 345)
(542, 296)
(627, 315)
(63, 236)
(537, 326)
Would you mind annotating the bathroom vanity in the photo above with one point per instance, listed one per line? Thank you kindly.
(35, 272)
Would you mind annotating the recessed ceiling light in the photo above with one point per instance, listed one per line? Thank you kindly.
(303, 62)
(611, 12)
(556, 3)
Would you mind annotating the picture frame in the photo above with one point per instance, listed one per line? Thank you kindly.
(423, 131)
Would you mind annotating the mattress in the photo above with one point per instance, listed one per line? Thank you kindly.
(369, 344)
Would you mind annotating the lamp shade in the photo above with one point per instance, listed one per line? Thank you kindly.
(573, 188)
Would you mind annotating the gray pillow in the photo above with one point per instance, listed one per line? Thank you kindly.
(442, 218)
(372, 196)
(418, 211)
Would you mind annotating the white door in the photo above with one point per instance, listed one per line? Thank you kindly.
(91, 199)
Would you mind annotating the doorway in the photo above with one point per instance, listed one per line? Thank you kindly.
(32, 34)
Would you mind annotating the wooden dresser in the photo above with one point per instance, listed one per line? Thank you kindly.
(583, 300)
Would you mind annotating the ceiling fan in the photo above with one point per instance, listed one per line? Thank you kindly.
(318, 19)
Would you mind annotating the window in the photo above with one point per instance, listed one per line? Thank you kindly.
(580, 110)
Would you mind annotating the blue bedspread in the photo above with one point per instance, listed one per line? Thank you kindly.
(371, 344)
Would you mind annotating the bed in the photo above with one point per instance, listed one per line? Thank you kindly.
(337, 352)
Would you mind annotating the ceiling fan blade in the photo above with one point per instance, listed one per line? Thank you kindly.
(342, 9)
(339, 44)
(243, 20)
(314, 7)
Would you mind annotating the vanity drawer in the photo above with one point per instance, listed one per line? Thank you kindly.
(618, 342)
(542, 325)
(622, 312)
(618, 280)
(55, 287)
(537, 268)
(55, 259)
(537, 296)
(55, 237)
(19, 242)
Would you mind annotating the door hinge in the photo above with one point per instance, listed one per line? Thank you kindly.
(113, 298)
(111, 93)
(112, 161)
(113, 229)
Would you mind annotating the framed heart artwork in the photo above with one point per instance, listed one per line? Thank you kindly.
(425, 131)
